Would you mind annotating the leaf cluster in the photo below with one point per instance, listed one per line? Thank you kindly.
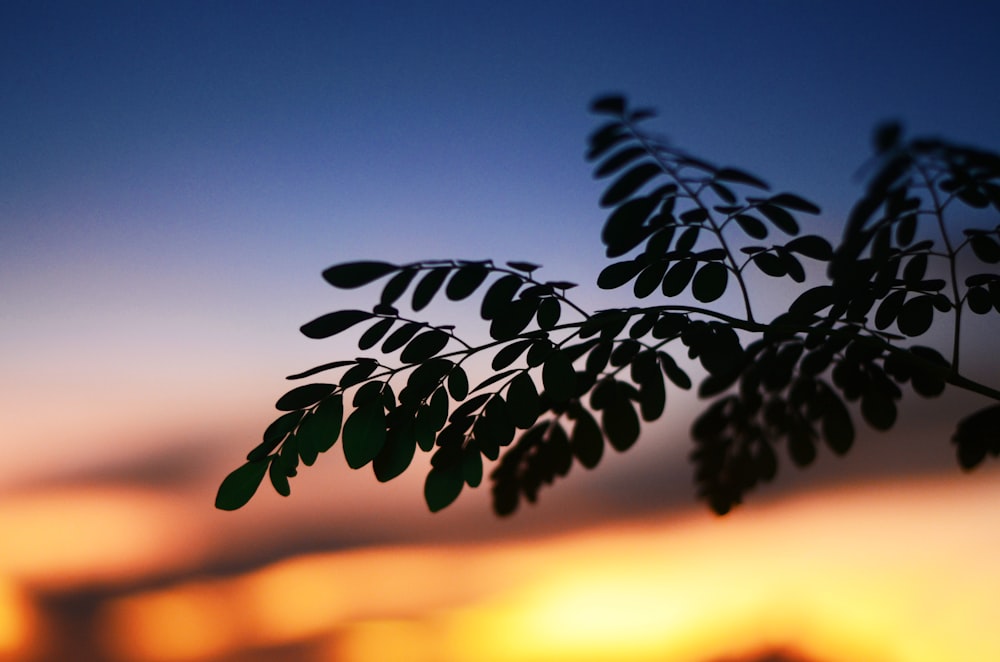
(566, 383)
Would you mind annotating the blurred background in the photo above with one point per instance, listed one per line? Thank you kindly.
(174, 176)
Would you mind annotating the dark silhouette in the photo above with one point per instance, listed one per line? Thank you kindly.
(567, 382)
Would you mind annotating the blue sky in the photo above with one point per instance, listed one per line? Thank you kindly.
(176, 174)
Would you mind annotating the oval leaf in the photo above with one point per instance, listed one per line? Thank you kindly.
(559, 377)
(629, 183)
(522, 401)
(333, 323)
(424, 346)
(465, 281)
(239, 486)
(428, 287)
(364, 434)
(356, 274)
(442, 487)
(303, 396)
(710, 282)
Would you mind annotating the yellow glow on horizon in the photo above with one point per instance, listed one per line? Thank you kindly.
(89, 534)
(887, 573)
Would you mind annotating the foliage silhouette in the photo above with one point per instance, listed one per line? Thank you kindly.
(567, 382)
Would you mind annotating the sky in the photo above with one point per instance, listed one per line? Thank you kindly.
(174, 176)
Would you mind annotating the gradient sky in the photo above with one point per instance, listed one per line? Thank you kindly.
(175, 175)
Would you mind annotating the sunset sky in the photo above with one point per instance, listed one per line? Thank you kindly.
(174, 176)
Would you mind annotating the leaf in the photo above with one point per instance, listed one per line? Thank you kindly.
(319, 430)
(498, 427)
(397, 452)
(442, 487)
(812, 246)
(740, 177)
(499, 295)
(428, 287)
(559, 377)
(288, 459)
(710, 282)
(915, 316)
(465, 281)
(724, 192)
(617, 274)
(629, 182)
(674, 372)
(792, 265)
(275, 434)
(239, 486)
(792, 201)
(976, 435)
(320, 368)
(303, 396)
(526, 267)
(538, 351)
(886, 136)
(522, 401)
(625, 228)
(472, 466)
(837, 427)
(694, 216)
(375, 332)
(401, 336)
(333, 323)
(770, 264)
(878, 409)
(780, 218)
(437, 409)
(906, 230)
(510, 353)
(469, 407)
(979, 300)
(605, 137)
(620, 422)
(611, 104)
(650, 278)
(424, 346)
(549, 311)
(915, 269)
(356, 274)
(397, 285)
(752, 226)
(814, 300)
(364, 434)
(618, 160)
(515, 317)
(359, 373)
(687, 240)
(889, 309)
(652, 395)
(586, 440)
(801, 449)
(678, 277)
(279, 480)
(458, 383)
(985, 248)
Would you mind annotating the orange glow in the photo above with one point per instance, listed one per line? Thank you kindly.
(193, 622)
(386, 639)
(888, 573)
(17, 623)
(71, 537)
